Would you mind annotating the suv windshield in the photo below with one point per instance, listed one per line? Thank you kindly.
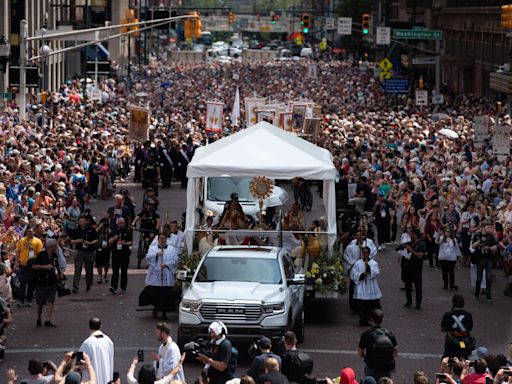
(221, 188)
(244, 269)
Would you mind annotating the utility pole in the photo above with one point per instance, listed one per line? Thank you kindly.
(438, 67)
(23, 69)
(86, 22)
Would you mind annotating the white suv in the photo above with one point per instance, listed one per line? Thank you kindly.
(256, 291)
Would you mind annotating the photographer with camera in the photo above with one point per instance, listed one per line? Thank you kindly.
(483, 248)
(79, 368)
(218, 365)
(296, 364)
(260, 352)
(414, 268)
(38, 371)
(48, 273)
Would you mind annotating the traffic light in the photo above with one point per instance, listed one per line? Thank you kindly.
(231, 17)
(498, 106)
(506, 16)
(365, 29)
(306, 22)
(129, 17)
(198, 26)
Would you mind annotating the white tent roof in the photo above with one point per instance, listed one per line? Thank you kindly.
(263, 150)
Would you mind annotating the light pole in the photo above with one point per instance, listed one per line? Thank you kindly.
(45, 52)
(5, 53)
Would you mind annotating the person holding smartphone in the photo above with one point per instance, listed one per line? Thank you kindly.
(81, 372)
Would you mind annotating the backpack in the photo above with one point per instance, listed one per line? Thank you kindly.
(233, 362)
(301, 364)
(380, 352)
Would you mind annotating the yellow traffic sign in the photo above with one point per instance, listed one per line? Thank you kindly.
(386, 65)
(323, 44)
(385, 75)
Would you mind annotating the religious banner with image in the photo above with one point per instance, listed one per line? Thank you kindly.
(139, 123)
(214, 116)
(251, 105)
(268, 116)
(501, 140)
(286, 121)
(298, 116)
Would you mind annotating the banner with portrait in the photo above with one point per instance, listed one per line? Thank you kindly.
(298, 116)
(214, 116)
(251, 105)
(139, 123)
(286, 121)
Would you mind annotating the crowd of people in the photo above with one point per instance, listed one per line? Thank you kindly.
(442, 200)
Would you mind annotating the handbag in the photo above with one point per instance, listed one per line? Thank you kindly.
(62, 290)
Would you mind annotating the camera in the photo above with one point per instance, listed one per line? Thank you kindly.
(194, 348)
(254, 350)
(401, 247)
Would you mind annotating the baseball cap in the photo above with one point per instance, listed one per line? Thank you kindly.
(264, 342)
(73, 378)
(479, 353)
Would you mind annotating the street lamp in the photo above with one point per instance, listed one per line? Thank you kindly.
(5, 53)
(45, 52)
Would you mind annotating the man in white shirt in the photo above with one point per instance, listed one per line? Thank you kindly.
(100, 349)
(168, 356)
(351, 255)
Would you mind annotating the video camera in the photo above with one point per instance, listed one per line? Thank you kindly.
(254, 350)
(194, 348)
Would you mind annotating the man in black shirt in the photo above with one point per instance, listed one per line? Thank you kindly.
(484, 246)
(46, 266)
(218, 364)
(150, 172)
(362, 194)
(457, 324)
(378, 347)
(149, 223)
(413, 270)
(120, 243)
(86, 241)
(258, 363)
(295, 364)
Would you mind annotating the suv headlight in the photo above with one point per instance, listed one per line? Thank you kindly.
(190, 306)
(273, 309)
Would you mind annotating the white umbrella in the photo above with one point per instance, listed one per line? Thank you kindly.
(449, 133)
(439, 117)
(277, 199)
(142, 94)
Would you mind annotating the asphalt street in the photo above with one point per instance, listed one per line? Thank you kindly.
(332, 332)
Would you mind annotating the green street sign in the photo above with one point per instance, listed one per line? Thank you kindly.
(5, 95)
(417, 34)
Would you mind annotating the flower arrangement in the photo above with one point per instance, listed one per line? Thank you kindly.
(189, 262)
(327, 275)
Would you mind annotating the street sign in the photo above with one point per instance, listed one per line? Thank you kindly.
(438, 99)
(5, 95)
(386, 65)
(396, 86)
(385, 75)
(32, 76)
(417, 34)
(383, 36)
(103, 67)
(344, 25)
(329, 23)
(422, 98)
(481, 128)
(425, 60)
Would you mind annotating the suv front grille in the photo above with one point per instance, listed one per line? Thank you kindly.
(231, 312)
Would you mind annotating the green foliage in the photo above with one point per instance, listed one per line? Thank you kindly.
(271, 5)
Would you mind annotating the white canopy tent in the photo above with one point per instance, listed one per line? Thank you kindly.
(262, 150)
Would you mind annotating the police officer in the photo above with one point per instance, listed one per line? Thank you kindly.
(457, 324)
(149, 223)
(484, 247)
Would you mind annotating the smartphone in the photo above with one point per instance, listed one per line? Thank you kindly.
(440, 376)
(321, 381)
(116, 376)
(489, 380)
(140, 355)
(79, 356)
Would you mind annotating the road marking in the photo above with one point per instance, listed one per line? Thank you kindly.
(405, 355)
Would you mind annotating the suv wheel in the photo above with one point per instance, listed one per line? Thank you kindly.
(298, 327)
